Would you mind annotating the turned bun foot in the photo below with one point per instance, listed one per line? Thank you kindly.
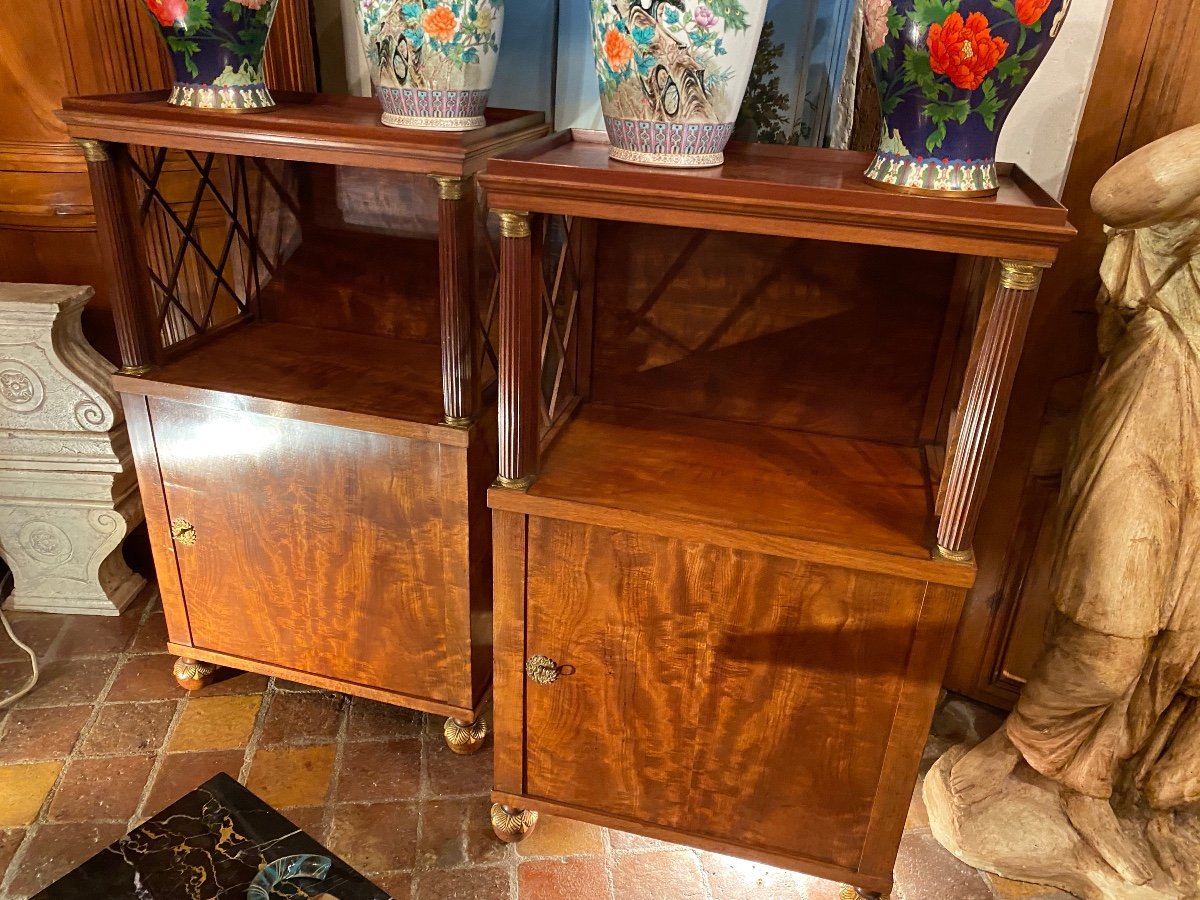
(853, 893)
(192, 674)
(464, 738)
(512, 825)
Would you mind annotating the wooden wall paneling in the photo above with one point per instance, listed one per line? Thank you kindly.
(1141, 91)
(291, 63)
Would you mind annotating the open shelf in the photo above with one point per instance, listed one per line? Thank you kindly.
(340, 378)
(343, 279)
(704, 479)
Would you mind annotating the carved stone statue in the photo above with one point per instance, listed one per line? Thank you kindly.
(68, 492)
(1092, 784)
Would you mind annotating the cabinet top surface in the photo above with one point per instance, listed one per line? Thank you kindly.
(796, 191)
(321, 128)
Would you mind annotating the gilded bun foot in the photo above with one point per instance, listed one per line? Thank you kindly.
(193, 675)
(512, 825)
(465, 738)
(852, 893)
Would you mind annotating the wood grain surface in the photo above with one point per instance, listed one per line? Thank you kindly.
(852, 502)
(344, 572)
(765, 189)
(697, 678)
(344, 279)
(305, 127)
(788, 333)
(396, 384)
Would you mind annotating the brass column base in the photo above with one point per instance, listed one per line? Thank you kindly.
(464, 738)
(960, 556)
(512, 825)
(515, 484)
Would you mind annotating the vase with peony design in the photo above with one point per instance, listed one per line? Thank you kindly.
(949, 72)
(432, 61)
(672, 75)
(217, 50)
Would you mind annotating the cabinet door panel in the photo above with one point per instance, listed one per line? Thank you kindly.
(713, 691)
(317, 548)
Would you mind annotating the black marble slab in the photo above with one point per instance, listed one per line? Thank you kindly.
(208, 845)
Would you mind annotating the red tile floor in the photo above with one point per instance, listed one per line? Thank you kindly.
(108, 738)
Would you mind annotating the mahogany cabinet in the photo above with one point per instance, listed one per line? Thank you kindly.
(747, 418)
(313, 441)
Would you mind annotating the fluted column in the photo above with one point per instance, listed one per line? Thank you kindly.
(459, 311)
(985, 402)
(519, 357)
(121, 249)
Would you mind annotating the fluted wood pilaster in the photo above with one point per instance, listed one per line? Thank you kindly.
(984, 403)
(459, 309)
(117, 224)
(519, 353)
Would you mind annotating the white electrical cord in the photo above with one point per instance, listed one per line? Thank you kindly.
(33, 679)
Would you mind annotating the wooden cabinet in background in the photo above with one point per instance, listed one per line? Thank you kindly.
(314, 442)
(734, 520)
(50, 49)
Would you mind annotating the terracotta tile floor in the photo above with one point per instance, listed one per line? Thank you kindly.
(108, 738)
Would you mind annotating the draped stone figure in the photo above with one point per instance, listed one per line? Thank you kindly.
(1093, 783)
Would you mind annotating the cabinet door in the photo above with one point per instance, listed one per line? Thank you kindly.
(735, 695)
(318, 548)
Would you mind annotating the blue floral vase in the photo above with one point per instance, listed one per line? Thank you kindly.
(672, 75)
(217, 49)
(949, 72)
(432, 61)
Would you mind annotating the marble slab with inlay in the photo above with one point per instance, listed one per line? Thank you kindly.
(209, 845)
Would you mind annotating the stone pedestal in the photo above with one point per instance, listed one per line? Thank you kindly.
(68, 492)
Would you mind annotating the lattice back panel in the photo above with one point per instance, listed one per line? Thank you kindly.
(205, 217)
(565, 316)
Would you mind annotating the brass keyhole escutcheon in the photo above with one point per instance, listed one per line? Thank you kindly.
(184, 532)
(542, 669)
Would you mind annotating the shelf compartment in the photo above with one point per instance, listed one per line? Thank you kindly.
(839, 501)
(338, 378)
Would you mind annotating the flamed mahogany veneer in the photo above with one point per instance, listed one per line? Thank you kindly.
(723, 616)
(313, 438)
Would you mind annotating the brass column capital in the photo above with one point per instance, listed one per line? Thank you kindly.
(514, 224)
(451, 187)
(1018, 275)
(93, 151)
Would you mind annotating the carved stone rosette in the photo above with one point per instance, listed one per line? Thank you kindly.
(68, 492)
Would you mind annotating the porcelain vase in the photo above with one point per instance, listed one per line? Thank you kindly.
(432, 61)
(217, 49)
(672, 75)
(949, 72)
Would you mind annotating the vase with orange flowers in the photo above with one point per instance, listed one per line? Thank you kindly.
(432, 61)
(217, 49)
(672, 75)
(949, 72)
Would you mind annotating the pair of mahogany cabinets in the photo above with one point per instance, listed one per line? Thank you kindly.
(734, 427)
